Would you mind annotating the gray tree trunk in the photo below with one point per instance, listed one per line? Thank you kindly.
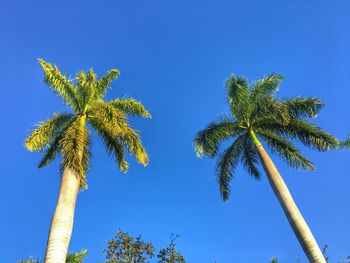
(62, 221)
(295, 218)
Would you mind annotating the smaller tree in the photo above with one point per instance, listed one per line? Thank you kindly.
(78, 257)
(169, 254)
(31, 260)
(123, 248)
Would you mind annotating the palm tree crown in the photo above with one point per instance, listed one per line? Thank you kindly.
(67, 134)
(257, 113)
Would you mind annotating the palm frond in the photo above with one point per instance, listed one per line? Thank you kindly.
(114, 147)
(131, 106)
(287, 151)
(77, 257)
(226, 164)
(238, 95)
(345, 144)
(86, 87)
(41, 137)
(250, 157)
(267, 108)
(113, 117)
(131, 140)
(207, 141)
(103, 83)
(303, 107)
(309, 134)
(266, 86)
(114, 121)
(51, 152)
(60, 84)
(75, 143)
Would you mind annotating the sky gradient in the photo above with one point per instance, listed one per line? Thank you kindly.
(174, 56)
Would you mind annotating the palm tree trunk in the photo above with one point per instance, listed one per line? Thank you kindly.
(62, 221)
(295, 218)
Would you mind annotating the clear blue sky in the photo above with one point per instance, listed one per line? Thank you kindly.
(174, 56)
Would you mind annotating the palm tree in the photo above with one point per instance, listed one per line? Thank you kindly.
(258, 115)
(66, 134)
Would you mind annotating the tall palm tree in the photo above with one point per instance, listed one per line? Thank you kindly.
(66, 134)
(256, 114)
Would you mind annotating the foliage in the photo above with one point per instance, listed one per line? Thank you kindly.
(256, 113)
(77, 257)
(66, 134)
(274, 260)
(170, 254)
(123, 248)
(71, 258)
(31, 260)
(346, 143)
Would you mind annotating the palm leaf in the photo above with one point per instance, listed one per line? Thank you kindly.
(287, 151)
(77, 257)
(250, 157)
(41, 137)
(226, 164)
(208, 140)
(113, 146)
(60, 84)
(309, 134)
(103, 83)
(303, 107)
(346, 143)
(114, 122)
(266, 86)
(130, 106)
(75, 143)
(238, 95)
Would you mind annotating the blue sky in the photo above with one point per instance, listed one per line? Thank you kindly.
(174, 56)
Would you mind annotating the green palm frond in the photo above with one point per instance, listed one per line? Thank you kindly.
(207, 141)
(75, 143)
(226, 164)
(131, 140)
(303, 107)
(266, 86)
(287, 151)
(41, 137)
(250, 157)
(60, 84)
(107, 113)
(345, 144)
(113, 121)
(103, 83)
(78, 257)
(50, 152)
(131, 106)
(309, 134)
(268, 108)
(238, 95)
(114, 147)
